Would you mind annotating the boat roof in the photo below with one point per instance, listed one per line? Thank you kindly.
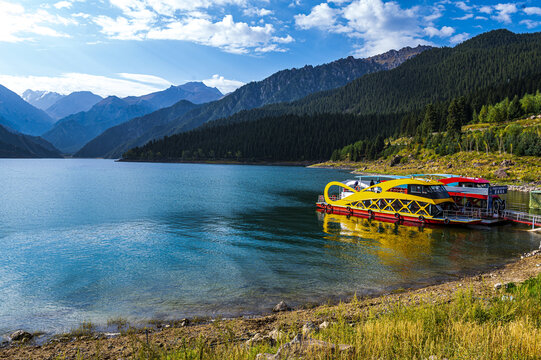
(404, 181)
(450, 178)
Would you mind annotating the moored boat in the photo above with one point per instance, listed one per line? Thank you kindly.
(406, 199)
(473, 192)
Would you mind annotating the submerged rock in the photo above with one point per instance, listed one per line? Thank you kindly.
(21, 335)
(281, 306)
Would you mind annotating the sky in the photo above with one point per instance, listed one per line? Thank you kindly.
(134, 47)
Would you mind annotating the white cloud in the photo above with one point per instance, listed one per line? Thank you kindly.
(63, 5)
(530, 24)
(458, 38)
(183, 20)
(122, 28)
(532, 10)
(170, 7)
(481, 18)
(257, 12)
(381, 26)
(465, 17)
(17, 24)
(222, 84)
(322, 16)
(81, 15)
(462, 6)
(70, 82)
(504, 12)
(486, 9)
(378, 25)
(445, 31)
(146, 79)
(228, 35)
(437, 12)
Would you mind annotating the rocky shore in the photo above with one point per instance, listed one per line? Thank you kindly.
(276, 329)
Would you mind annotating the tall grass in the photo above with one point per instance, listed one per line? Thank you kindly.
(506, 325)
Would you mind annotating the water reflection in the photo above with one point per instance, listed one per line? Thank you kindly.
(413, 252)
(396, 246)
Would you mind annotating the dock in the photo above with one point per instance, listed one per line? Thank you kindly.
(522, 217)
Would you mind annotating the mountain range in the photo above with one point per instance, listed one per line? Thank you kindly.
(58, 106)
(283, 86)
(72, 132)
(390, 100)
(72, 104)
(41, 99)
(18, 115)
(16, 145)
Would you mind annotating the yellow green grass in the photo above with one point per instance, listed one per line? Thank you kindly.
(504, 325)
(525, 169)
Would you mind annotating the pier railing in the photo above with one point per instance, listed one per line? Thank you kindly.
(523, 217)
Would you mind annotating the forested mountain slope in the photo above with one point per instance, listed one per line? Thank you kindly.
(435, 75)
(283, 86)
(71, 133)
(479, 71)
(113, 142)
(16, 145)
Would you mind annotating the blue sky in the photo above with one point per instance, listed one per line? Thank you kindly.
(133, 47)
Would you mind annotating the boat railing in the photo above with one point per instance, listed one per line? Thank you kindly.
(463, 213)
(321, 198)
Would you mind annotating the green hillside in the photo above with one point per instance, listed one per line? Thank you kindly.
(481, 71)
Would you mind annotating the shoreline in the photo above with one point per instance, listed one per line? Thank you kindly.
(126, 342)
(225, 162)
(358, 170)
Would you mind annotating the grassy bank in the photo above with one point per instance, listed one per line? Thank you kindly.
(469, 318)
(519, 170)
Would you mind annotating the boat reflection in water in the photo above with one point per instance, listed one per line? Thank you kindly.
(396, 245)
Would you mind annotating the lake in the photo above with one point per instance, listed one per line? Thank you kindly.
(90, 240)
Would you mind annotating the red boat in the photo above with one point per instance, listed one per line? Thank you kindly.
(469, 192)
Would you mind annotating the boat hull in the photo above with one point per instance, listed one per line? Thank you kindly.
(389, 216)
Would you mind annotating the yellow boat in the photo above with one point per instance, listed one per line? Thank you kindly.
(406, 199)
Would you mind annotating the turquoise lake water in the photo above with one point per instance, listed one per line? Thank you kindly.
(89, 240)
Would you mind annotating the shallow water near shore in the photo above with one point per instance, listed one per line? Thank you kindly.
(90, 240)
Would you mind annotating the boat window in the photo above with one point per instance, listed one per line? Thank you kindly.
(367, 203)
(414, 207)
(430, 191)
(425, 210)
(398, 189)
(474, 185)
(396, 205)
(448, 206)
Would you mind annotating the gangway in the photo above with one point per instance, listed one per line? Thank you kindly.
(522, 218)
